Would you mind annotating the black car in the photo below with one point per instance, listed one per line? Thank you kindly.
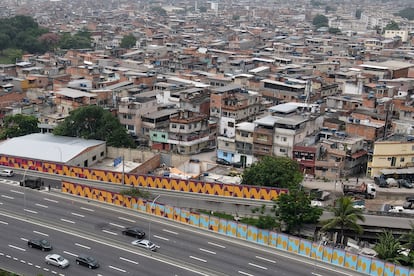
(134, 232)
(88, 261)
(41, 244)
(222, 161)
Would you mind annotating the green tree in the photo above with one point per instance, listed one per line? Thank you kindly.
(389, 248)
(294, 210)
(235, 17)
(18, 125)
(158, 10)
(334, 31)
(392, 26)
(358, 14)
(320, 21)
(11, 55)
(407, 13)
(128, 41)
(264, 221)
(281, 172)
(4, 41)
(345, 217)
(93, 122)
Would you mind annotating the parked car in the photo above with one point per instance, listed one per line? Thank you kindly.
(237, 164)
(403, 183)
(391, 182)
(41, 244)
(381, 182)
(209, 149)
(7, 173)
(222, 161)
(134, 232)
(88, 261)
(56, 260)
(146, 244)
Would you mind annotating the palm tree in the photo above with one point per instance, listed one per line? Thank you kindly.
(345, 217)
(389, 248)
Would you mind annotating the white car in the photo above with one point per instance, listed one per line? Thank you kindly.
(146, 244)
(7, 173)
(56, 260)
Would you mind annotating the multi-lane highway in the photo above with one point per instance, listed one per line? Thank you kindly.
(76, 226)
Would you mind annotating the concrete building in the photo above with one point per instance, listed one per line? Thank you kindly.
(57, 149)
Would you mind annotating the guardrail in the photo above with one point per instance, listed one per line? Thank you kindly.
(335, 256)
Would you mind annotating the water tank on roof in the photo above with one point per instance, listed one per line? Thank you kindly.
(357, 121)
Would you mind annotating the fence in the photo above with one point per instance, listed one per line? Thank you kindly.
(335, 256)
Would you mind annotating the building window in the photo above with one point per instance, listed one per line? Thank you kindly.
(181, 126)
(284, 139)
(102, 153)
(163, 136)
(230, 124)
(225, 154)
(94, 158)
(402, 159)
(154, 135)
(173, 126)
(282, 150)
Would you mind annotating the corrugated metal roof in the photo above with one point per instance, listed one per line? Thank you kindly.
(47, 147)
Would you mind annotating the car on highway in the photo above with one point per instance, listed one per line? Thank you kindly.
(41, 244)
(134, 232)
(7, 172)
(87, 261)
(222, 161)
(56, 260)
(147, 244)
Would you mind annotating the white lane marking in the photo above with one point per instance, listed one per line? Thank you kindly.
(116, 225)
(258, 266)
(128, 260)
(1, 203)
(8, 256)
(51, 200)
(30, 211)
(127, 219)
(17, 192)
(198, 259)
(1, 254)
(23, 261)
(41, 205)
(54, 272)
(87, 209)
(3, 222)
(16, 247)
(66, 220)
(264, 259)
(81, 245)
(169, 231)
(245, 273)
(316, 274)
(40, 233)
(69, 253)
(78, 215)
(117, 268)
(46, 269)
(6, 196)
(207, 251)
(24, 239)
(109, 232)
(29, 263)
(161, 238)
(37, 266)
(215, 244)
(15, 259)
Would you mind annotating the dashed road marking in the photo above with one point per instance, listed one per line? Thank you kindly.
(83, 246)
(41, 205)
(87, 209)
(116, 225)
(68, 221)
(40, 233)
(8, 197)
(245, 273)
(169, 231)
(258, 266)
(50, 200)
(207, 251)
(109, 232)
(70, 253)
(128, 260)
(17, 192)
(215, 244)
(267, 260)
(127, 219)
(16, 247)
(30, 211)
(117, 268)
(3, 222)
(198, 259)
(78, 215)
(161, 238)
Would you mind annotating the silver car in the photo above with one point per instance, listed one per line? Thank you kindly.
(146, 244)
(56, 260)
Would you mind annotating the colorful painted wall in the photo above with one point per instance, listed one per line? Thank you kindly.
(336, 256)
(192, 186)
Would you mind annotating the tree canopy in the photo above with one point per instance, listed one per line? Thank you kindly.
(128, 41)
(80, 40)
(294, 210)
(392, 26)
(407, 13)
(389, 248)
(18, 125)
(93, 122)
(320, 21)
(345, 217)
(281, 172)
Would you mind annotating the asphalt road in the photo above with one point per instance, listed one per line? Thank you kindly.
(76, 226)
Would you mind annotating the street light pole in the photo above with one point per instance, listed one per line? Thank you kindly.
(149, 225)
